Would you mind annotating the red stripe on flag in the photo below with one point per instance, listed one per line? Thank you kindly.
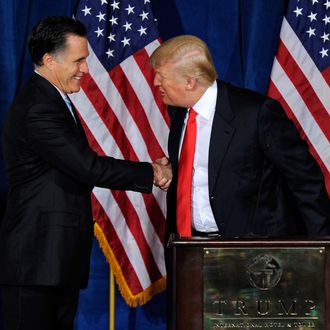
(142, 59)
(326, 75)
(304, 88)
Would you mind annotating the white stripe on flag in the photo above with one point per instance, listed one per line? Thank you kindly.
(152, 46)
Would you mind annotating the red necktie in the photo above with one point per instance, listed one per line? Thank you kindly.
(183, 210)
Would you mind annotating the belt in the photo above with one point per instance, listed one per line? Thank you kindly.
(205, 233)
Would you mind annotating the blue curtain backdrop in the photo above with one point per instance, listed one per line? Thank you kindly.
(242, 36)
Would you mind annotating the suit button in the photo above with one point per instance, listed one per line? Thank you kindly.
(212, 197)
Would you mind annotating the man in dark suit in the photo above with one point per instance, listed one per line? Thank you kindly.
(252, 173)
(47, 230)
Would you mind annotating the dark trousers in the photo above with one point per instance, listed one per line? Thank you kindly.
(38, 308)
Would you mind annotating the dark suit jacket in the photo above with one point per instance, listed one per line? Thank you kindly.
(262, 179)
(47, 231)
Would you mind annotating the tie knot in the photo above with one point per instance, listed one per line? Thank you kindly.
(191, 116)
(192, 113)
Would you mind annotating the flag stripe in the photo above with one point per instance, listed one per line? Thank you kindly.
(326, 75)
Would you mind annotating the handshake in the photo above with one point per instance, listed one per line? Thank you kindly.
(162, 173)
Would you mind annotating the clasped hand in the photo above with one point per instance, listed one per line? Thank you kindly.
(162, 173)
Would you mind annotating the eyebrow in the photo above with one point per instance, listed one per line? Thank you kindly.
(80, 59)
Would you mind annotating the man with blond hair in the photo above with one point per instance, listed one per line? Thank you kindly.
(251, 173)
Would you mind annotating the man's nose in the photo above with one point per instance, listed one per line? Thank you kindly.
(157, 80)
(84, 67)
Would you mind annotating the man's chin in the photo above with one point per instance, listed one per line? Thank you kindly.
(75, 90)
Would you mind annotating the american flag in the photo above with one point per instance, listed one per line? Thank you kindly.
(125, 118)
(300, 77)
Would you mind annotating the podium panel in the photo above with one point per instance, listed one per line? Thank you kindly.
(249, 284)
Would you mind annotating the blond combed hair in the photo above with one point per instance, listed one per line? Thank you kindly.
(190, 56)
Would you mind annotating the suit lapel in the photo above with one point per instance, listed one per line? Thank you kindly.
(54, 94)
(78, 123)
(221, 135)
(68, 114)
(74, 121)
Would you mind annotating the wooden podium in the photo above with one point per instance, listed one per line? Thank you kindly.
(249, 283)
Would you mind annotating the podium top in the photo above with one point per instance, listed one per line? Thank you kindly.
(176, 240)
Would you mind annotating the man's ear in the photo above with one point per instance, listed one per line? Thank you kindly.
(191, 83)
(48, 60)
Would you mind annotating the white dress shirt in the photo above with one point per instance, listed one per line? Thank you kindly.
(202, 215)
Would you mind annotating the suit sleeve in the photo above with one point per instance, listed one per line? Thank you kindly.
(289, 153)
(53, 138)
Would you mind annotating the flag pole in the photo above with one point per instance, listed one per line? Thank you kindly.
(112, 301)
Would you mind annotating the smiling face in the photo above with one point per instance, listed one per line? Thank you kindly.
(67, 67)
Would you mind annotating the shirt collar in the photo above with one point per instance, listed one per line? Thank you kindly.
(62, 94)
(206, 104)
